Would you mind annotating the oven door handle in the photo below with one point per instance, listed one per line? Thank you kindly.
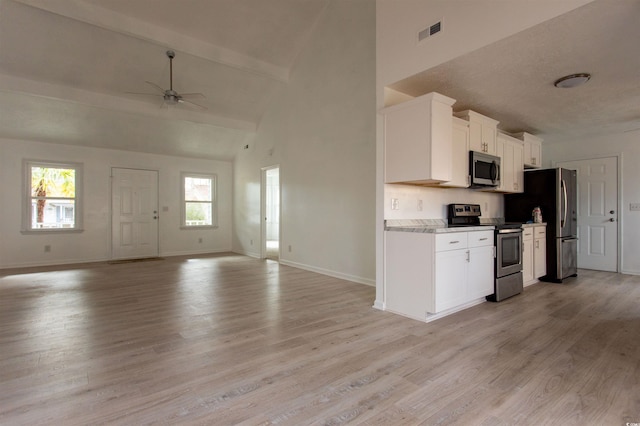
(509, 231)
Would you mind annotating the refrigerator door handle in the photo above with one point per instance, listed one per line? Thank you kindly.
(564, 202)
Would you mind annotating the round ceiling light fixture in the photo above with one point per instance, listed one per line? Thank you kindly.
(573, 80)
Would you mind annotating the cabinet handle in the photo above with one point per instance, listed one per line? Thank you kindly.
(454, 242)
(483, 239)
(468, 256)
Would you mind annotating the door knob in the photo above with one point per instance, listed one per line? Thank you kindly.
(612, 220)
(611, 212)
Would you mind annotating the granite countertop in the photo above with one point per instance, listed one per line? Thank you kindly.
(531, 225)
(433, 226)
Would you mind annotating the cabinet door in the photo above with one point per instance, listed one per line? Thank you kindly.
(527, 260)
(489, 133)
(460, 149)
(532, 153)
(540, 257)
(480, 273)
(506, 167)
(475, 137)
(450, 279)
(518, 167)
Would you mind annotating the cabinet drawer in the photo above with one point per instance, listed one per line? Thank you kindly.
(480, 238)
(527, 233)
(540, 232)
(451, 241)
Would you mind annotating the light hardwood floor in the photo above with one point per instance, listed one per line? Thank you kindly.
(228, 339)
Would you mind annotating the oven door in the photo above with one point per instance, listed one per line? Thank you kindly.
(508, 252)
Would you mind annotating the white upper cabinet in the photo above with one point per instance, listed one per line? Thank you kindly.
(460, 166)
(417, 139)
(482, 131)
(532, 150)
(510, 151)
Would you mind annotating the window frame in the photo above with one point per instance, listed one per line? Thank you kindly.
(214, 200)
(27, 210)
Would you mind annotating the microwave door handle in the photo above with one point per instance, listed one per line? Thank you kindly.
(494, 171)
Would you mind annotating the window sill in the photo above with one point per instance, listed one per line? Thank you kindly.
(199, 227)
(50, 231)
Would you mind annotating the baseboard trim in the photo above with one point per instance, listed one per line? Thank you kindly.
(334, 274)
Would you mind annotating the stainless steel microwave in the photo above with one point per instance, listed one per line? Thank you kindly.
(484, 169)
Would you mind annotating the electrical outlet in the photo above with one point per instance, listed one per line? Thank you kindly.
(47, 248)
(395, 204)
(251, 242)
(419, 205)
(634, 207)
(289, 248)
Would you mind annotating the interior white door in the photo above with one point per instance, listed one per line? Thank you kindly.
(597, 212)
(134, 213)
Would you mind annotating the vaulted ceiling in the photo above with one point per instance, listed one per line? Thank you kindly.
(69, 68)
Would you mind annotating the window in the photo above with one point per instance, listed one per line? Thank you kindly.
(52, 196)
(198, 200)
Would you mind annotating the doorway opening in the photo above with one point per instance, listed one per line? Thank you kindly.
(271, 213)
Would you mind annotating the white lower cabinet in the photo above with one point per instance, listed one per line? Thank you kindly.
(481, 273)
(451, 277)
(428, 274)
(534, 253)
(540, 250)
(527, 256)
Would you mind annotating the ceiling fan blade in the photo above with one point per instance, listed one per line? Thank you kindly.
(160, 89)
(193, 95)
(189, 103)
(141, 93)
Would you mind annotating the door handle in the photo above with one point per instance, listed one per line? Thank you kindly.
(612, 220)
(611, 212)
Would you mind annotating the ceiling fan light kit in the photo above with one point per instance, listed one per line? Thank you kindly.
(572, 80)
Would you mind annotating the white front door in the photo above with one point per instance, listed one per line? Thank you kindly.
(134, 213)
(597, 212)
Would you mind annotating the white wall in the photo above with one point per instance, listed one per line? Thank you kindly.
(320, 130)
(93, 244)
(435, 201)
(627, 146)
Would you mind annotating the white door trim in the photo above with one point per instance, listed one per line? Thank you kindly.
(263, 211)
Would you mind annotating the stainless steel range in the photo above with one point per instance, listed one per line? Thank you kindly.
(508, 249)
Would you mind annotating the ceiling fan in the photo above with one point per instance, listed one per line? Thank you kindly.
(170, 96)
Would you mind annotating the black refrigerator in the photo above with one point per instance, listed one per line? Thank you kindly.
(554, 191)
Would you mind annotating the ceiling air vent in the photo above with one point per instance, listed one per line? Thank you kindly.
(430, 31)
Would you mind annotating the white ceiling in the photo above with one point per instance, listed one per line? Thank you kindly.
(66, 67)
(512, 79)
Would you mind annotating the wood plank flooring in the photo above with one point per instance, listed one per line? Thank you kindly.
(231, 340)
